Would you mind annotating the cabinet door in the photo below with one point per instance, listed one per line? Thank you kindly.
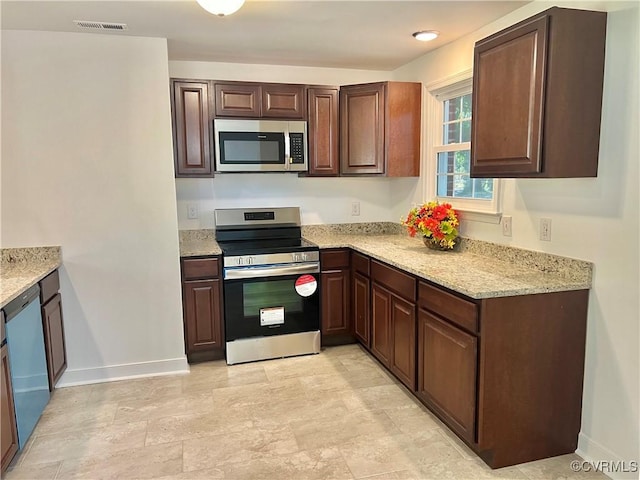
(237, 100)
(361, 299)
(54, 339)
(362, 129)
(335, 302)
(403, 332)
(381, 324)
(283, 101)
(203, 320)
(323, 131)
(508, 102)
(8, 427)
(447, 366)
(191, 131)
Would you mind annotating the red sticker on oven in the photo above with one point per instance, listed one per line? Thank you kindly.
(306, 285)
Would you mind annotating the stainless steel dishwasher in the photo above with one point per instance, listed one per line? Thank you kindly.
(25, 340)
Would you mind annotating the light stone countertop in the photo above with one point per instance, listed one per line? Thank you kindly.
(196, 243)
(477, 269)
(24, 267)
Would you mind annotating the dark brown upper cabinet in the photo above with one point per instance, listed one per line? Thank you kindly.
(283, 101)
(380, 129)
(237, 100)
(260, 100)
(323, 131)
(191, 132)
(537, 97)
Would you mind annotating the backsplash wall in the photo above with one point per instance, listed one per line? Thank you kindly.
(322, 200)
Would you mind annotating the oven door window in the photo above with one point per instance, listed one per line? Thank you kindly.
(277, 293)
(268, 306)
(251, 148)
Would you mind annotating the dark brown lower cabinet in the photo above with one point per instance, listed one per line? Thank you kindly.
(202, 312)
(447, 359)
(381, 323)
(8, 427)
(393, 335)
(202, 305)
(53, 327)
(54, 339)
(361, 298)
(403, 331)
(505, 373)
(530, 374)
(335, 291)
(335, 302)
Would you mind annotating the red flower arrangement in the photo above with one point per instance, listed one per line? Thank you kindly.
(436, 222)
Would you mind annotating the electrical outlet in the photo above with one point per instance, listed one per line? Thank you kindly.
(192, 211)
(506, 225)
(545, 229)
(355, 209)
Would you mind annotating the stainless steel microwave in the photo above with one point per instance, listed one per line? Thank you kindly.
(260, 145)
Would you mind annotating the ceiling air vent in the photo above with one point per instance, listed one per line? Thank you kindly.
(88, 25)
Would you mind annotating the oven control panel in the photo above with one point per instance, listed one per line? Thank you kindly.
(303, 257)
(259, 216)
(239, 261)
(271, 259)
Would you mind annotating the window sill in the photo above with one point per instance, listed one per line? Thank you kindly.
(476, 216)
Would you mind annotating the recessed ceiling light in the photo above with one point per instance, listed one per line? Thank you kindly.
(426, 35)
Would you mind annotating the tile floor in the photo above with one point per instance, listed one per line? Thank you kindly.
(336, 415)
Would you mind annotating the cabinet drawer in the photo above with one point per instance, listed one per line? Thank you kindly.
(455, 309)
(360, 263)
(395, 280)
(49, 286)
(195, 268)
(334, 259)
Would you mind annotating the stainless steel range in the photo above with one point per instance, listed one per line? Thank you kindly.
(271, 284)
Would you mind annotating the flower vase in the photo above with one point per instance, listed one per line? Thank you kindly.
(435, 244)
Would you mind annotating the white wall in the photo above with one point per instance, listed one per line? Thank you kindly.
(322, 200)
(87, 164)
(592, 219)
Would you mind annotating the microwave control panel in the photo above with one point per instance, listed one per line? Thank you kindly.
(297, 147)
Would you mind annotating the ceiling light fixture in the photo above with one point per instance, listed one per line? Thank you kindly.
(221, 7)
(426, 35)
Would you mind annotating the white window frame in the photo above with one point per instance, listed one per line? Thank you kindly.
(488, 211)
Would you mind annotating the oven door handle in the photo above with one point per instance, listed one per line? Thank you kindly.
(272, 271)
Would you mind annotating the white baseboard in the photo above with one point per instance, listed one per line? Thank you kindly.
(595, 453)
(111, 373)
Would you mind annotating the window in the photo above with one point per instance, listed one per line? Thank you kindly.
(449, 151)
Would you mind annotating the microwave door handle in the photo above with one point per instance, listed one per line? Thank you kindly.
(287, 150)
(275, 271)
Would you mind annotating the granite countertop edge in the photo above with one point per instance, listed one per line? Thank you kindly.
(24, 267)
(469, 273)
(480, 270)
